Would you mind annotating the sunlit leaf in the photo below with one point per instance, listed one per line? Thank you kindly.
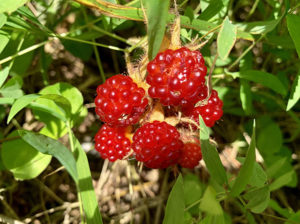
(226, 38)
(24, 161)
(51, 147)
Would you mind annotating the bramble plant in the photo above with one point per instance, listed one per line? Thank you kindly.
(156, 111)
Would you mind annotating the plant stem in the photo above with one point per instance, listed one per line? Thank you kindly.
(244, 53)
(89, 42)
(25, 51)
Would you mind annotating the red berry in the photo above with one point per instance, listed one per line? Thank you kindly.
(157, 144)
(176, 76)
(210, 112)
(111, 143)
(120, 102)
(191, 155)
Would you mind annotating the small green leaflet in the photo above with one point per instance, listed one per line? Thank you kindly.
(226, 38)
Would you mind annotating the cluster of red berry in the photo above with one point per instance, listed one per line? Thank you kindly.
(175, 81)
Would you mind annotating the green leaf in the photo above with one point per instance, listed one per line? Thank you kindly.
(246, 96)
(285, 212)
(260, 27)
(258, 198)
(174, 213)
(157, 15)
(294, 218)
(192, 191)
(22, 159)
(3, 75)
(269, 139)
(293, 22)
(213, 219)
(132, 13)
(276, 167)
(226, 38)
(12, 88)
(282, 180)
(209, 203)
(51, 147)
(62, 102)
(4, 39)
(295, 93)
(263, 78)
(55, 126)
(3, 19)
(247, 169)
(245, 89)
(213, 8)
(211, 156)
(86, 189)
(19, 104)
(259, 177)
(11, 5)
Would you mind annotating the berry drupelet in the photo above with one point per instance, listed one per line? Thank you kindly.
(191, 155)
(176, 76)
(111, 143)
(120, 102)
(210, 112)
(157, 144)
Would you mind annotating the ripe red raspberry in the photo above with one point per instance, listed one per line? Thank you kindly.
(111, 143)
(176, 76)
(157, 144)
(210, 112)
(191, 155)
(120, 102)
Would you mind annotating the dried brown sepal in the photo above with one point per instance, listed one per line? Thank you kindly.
(175, 34)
